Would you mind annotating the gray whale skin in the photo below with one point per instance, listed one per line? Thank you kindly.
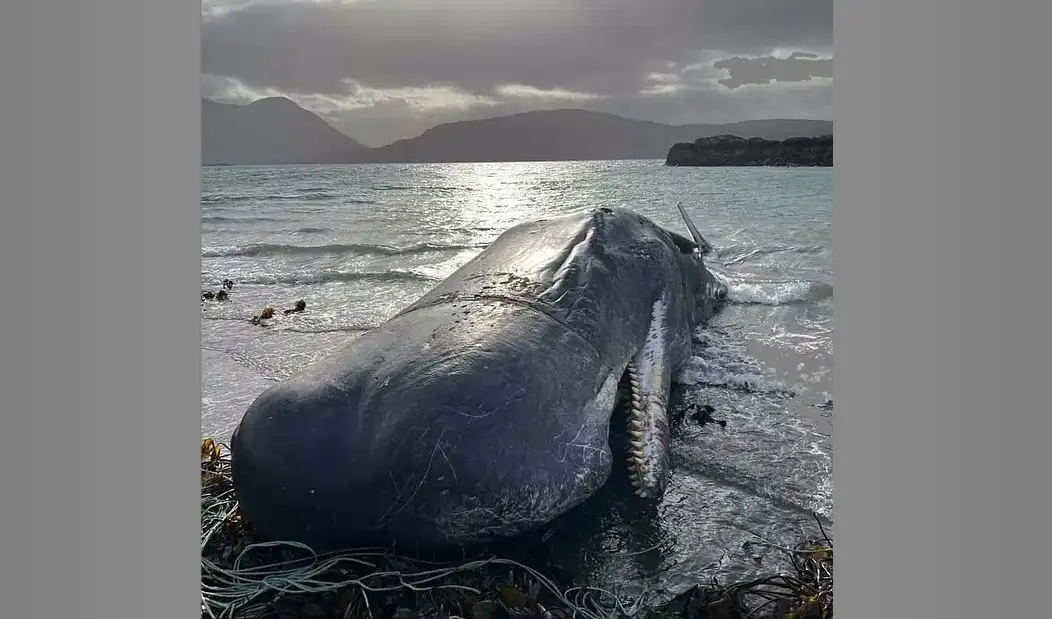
(483, 410)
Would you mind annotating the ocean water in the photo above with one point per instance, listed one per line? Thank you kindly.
(358, 243)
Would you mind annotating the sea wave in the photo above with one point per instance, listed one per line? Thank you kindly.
(303, 196)
(734, 255)
(307, 196)
(220, 198)
(363, 249)
(329, 329)
(332, 275)
(295, 328)
(218, 219)
(700, 371)
(773, 292)
(721, 360)
(419, 188)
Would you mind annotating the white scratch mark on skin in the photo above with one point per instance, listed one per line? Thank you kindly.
(448, 463)
(570, 443)
(590, 437)
(510, 510)
(388, 514)
(470, 416)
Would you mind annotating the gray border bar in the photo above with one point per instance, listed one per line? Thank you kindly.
(941, 261)
(100, 252)
(937, 309)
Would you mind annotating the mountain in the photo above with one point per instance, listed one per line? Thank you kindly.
(276, 130)
(570, 135)
(270, 131)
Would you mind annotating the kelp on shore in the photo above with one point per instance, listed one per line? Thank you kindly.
(245, 577)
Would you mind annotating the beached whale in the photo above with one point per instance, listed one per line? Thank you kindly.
(483, 410)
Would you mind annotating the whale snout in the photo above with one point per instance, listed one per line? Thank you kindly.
(714, 289)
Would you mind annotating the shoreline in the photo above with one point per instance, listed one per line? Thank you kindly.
(240, 577)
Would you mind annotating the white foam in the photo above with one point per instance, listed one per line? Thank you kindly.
(769, 293)
(701, 371)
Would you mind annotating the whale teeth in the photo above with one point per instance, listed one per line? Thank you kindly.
(636, 413)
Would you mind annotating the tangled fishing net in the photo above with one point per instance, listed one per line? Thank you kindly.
(244, 577)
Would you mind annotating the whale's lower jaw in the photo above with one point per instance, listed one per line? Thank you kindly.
(649, 380)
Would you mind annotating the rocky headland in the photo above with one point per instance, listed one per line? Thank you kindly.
(733, 150)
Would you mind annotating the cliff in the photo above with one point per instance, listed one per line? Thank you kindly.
(733, 150)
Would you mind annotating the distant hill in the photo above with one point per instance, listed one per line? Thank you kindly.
(270, 131)
(570, 135)
(276, 130)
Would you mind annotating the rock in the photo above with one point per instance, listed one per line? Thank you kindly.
(266, 314)
(702, 414)
(299, 307)
(732, 150)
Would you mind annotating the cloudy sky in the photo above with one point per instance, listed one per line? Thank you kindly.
(382, 70)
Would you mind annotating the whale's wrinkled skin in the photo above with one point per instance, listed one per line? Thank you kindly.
(483, 410)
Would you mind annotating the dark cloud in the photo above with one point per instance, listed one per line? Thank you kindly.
(612, 49)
